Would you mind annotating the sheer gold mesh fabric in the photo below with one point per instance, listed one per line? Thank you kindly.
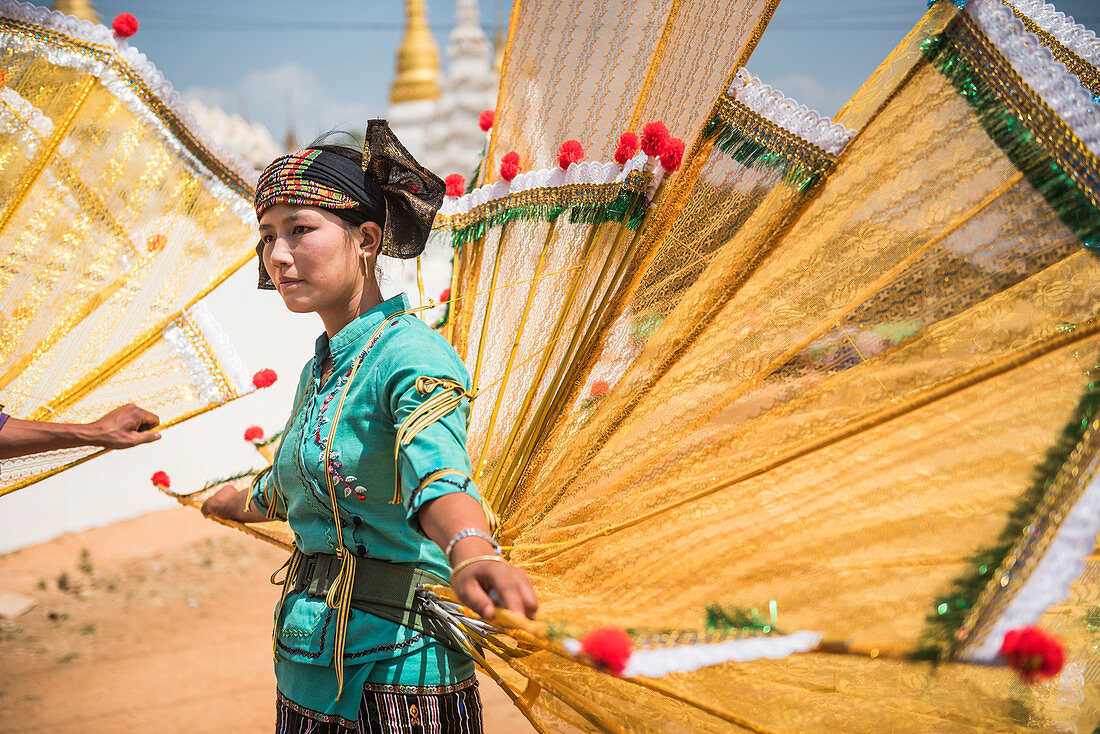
(179, 375)
(591, 70)
(832, 400)
(112, 220)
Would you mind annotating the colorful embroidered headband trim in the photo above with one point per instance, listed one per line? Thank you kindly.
(314, 177)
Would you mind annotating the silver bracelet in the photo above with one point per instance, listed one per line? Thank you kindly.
(467, 533)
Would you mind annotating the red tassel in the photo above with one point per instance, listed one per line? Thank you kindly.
(599, 389)
(264, 378)
(569, 153)
(456, 184)
(124, 25)
(609, 648)
(673, 155)
(628, 148)
(654, 139)
(1033, 653)
(509, 166)
(485, 120)
(161, 480)
(253, 433)
(445, 295)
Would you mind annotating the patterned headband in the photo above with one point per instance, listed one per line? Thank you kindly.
(390, 183)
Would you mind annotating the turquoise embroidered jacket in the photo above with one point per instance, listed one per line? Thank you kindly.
(381, 396)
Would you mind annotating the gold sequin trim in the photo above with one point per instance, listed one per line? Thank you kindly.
(570, 195)
(1055, 137)
(764, 132)
(1083, 70)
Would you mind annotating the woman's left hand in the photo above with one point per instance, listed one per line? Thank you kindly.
(484, 584)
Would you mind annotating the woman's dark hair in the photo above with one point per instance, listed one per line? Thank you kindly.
(359, 214)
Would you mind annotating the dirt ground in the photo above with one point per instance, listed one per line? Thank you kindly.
(160, 624)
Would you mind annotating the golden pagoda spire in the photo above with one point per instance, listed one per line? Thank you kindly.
(83, 9)
(498, 56)
(417, 60)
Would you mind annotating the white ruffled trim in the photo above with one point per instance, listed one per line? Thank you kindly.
(583, 172)
(198, 367)
(1050, 580)
(686, 658)
(1074, 36)
(26, 116)
(86, 31)
(1039, 69)
(223, 349)
(795, 118)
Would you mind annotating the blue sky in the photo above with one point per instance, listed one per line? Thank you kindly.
(335, 58)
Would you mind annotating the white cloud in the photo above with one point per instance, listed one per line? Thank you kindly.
(262, 96)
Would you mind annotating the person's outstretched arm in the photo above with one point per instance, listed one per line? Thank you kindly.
(123, 427)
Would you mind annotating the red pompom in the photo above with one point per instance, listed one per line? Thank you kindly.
(456, 184)
(569, 153)
(253, 433)
(445, 295)
(628, 148)
(156, 243)
(599, 389)
(485, 120)
(509, 165)
(125, 25)
(161, 480)
(654, 139)
(673, 155)
(264, 378)
(1033, 653)
(609, 648)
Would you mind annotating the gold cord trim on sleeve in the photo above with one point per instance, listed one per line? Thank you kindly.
(427, 413)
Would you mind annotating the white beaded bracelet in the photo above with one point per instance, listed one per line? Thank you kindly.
(468, 533)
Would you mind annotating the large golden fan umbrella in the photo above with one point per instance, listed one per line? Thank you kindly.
(812, 419)
(116, 218)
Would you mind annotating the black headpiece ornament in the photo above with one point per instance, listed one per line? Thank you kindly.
(390, 188)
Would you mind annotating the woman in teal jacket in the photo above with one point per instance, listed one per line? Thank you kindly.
(372, 473)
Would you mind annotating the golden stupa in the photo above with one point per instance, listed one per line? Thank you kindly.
(417, 60)
(83, 9)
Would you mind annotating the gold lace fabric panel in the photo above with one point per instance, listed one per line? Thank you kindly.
(118, 232)
(801, 693)
(823, 693)
(276, 532)
(726, 199)
(841, 423)
(590, 70)
(513, 377)
(178, 386)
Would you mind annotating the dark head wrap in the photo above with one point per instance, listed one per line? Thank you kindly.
(390, 188)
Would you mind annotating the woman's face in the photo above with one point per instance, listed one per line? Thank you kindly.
(314, 261)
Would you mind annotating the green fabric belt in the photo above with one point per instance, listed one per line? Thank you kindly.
(384, 589)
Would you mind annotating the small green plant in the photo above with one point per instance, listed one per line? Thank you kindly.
(63, 581)
(85, 564)
(88, 629)
(42, 584)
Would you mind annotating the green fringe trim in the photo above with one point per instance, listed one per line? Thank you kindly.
(1048, 174)
(752, 154)
(952, 608)
(471, 183)
(270, 440)
(628, 207)
(738, 618)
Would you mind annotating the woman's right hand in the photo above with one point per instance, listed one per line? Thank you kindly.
(228, 504)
